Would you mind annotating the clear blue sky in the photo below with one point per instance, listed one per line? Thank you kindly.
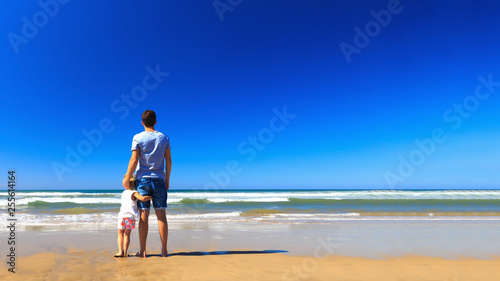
(355, 122)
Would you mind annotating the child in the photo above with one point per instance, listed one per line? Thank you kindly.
(127, 217)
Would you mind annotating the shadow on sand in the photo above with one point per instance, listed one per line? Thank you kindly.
(217, 253)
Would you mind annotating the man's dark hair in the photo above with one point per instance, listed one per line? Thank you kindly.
(149, 118)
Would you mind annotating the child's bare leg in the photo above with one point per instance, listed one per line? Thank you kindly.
(120, 242)
(126, 241)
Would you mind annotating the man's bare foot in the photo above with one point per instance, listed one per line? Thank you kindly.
(119, 255)
(164, 253)
(139, 254)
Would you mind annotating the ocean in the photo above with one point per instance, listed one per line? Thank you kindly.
(98, 208)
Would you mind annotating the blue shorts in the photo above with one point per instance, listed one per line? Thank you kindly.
(154, 187)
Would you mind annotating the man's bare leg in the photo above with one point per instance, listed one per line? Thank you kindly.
(143, 232)
(163, 228)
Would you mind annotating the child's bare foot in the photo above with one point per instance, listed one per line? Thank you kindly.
(119, 255)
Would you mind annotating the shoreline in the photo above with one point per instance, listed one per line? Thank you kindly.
(345, 250)
(369, 239)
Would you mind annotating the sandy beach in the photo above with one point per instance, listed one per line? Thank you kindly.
(266, 251)
(78, 264)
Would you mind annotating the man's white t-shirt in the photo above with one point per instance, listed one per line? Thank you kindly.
(151, 146)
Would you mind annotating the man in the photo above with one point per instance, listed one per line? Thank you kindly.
(152, 163)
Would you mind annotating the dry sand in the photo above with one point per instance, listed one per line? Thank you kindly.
(100, 265)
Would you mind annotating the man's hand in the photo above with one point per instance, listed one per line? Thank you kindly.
(167, 185)
(125, 183)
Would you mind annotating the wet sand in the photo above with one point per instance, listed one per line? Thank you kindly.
(265, 251)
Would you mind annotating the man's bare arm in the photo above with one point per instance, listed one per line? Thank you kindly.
(132, 164)
(168, 168)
